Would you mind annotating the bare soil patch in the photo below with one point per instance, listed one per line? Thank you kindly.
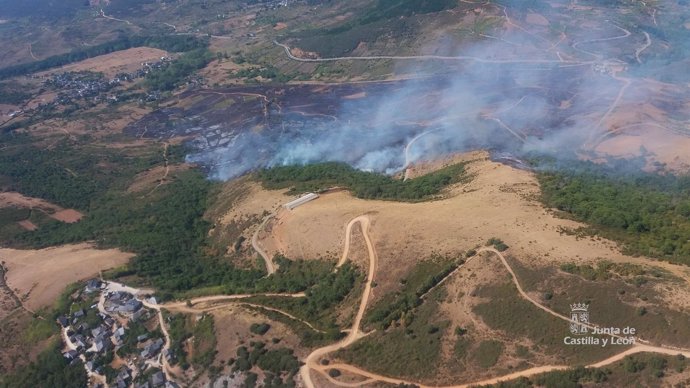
(657, 144)
(69, 216)
(39, 276)
(355, 96)
(14, 199)
(217, 72)
(248, 204)
(28, 225)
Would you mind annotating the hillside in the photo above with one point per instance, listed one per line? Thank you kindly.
(497, 194)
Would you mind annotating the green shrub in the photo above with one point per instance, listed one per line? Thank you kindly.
(259, 328)
(334, 373)
(497, 243)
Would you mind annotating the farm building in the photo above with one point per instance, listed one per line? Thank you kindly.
(301, 201)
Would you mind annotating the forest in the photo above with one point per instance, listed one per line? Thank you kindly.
(649, 214)
(171, 76)
(65, 174)
(368, 185)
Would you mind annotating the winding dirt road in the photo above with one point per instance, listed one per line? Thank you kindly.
(312, 360)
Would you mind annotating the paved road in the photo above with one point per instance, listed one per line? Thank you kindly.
(426, 57)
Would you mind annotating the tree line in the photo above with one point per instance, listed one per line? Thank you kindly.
(367, 185)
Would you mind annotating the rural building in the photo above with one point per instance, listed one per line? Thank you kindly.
(301, 201)
(63, 321)
(158, 379)
(93, 285)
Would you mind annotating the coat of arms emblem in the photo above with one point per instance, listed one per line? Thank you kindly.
(579, 318)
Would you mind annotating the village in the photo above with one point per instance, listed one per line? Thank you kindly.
(107, 327)
(74, 86)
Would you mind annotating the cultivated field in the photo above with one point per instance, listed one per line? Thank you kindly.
(117, 62)
(39, 276)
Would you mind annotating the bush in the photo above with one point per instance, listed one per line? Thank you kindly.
(632, 365)
(422, 278)
(259, 328)
(497, 243)
(334, 373)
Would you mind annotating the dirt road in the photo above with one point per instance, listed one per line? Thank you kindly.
(312, 360)
(270, 267)
(216, 298)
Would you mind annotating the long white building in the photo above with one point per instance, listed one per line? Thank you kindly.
(301, 201)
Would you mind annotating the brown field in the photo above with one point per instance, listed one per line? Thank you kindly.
(120, 61)
(39, 276)
(6, 110)
(13, 199)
